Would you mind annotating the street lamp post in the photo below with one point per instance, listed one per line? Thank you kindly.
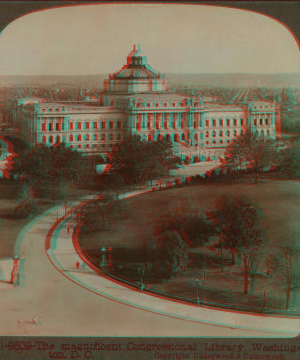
(141, 271)
(198, 285)
(103, 257)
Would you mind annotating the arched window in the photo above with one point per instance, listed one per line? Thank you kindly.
(268, 133)
(50, 139)
(57, 139)
(228, 133)
(79, 137)
(214, 133)
(182, 137)
(234, 132)
(176, 137)
(149, 137)
(103, 136)
(111, 136)
(221, 133)
(64, 139)
(44, 139)
(87, 138)
(71, 138)
(207, 134)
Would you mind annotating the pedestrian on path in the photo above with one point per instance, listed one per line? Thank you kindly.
(77, 265)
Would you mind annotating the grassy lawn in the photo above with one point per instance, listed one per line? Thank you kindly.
(279, 202)
(11, 228)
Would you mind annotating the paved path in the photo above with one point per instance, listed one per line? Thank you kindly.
(64, 257)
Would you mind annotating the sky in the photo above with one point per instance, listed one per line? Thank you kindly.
(176, 38)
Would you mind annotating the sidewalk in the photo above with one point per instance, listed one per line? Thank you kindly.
(64, 253)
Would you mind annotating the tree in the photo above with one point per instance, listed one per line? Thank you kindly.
(171, 254)
(236, 157)
(290, 161)
(237, 225)
(138, 161)
(272, 263)
(54, 164)
(251, 151)
(98, 213)
(288, 273)
(194, 228)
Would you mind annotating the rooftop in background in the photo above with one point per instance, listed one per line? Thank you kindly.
(66, 108)
(226, 107)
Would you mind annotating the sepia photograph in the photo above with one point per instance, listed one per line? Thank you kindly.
(149, 181)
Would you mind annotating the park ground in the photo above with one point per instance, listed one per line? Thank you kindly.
(278, 200)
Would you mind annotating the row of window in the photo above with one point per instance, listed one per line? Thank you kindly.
(89, 146)
(81, 126)
(180, 124)
(221, 122)
(261, 121)
(86, 137)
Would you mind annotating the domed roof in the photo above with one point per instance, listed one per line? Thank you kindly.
(139, 71)
(137, 67)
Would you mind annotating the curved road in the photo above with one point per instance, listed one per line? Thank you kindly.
(48, 303)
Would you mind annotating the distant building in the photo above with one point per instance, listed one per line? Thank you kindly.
(137, 100)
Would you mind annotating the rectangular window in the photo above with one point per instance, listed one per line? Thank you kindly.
(234, 122)
(255, 122)
(87, 125)
(50, 127)
(71, 126)
(63, 126)
(228, 122)
(207, 122)
(103, 124)
(242, 121)
(44, 127)
(220, 122)
(111, 124)
(260, 122)
(95, 125)
(266, 121)
(119, 124)
(213, 122)
(79, 126)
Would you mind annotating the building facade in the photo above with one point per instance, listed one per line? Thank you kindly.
(137, 100)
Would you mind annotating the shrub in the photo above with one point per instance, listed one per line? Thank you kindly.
(171, 255)
(187, 160)
(187, 181)
(26, 208)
